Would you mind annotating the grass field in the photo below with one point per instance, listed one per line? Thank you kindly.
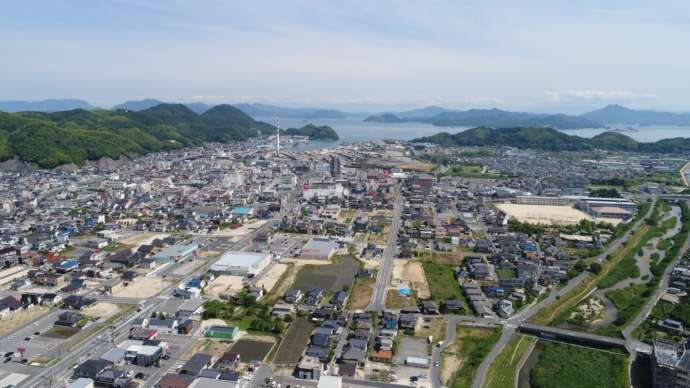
(251, 349)
(395, 301)
(505, 273)
(332, 277)
(567, 366)
(442, 282)
(627, 266)
(503, 371)
(472, 345)
(294, 342)
(361, 293)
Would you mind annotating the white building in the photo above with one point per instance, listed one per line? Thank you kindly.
(241, 263)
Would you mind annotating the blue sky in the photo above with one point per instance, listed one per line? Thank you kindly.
(365, 55)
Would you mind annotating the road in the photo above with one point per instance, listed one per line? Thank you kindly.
(378, 300)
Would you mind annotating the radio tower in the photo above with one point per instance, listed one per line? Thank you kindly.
(277, 137)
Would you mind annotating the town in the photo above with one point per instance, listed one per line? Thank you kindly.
(373, 264)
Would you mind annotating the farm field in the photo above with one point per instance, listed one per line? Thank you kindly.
(332, 277)
(294, 342)
(253, 349)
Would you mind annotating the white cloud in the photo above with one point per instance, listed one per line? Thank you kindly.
(597, 95)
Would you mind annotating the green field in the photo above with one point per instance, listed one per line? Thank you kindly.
(442, 282)
(503, 371)
(568, 366)
(505, 273)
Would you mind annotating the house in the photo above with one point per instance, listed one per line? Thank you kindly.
(185, 327)
(504, 308)
(228, 361)
(347, 369)
(68, 319)
(11, 302)
(309, 368)
(429, 307)
(282, 310)
(165, 325)
(142, 333)
(382, 356)
(195, 364)
(91, 368)
(293, 295)
(174, 380)
(31, 299)
(452, 306)
(77, 302)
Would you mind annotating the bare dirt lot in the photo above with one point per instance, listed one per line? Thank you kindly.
(225, 284)
(270, 278)
(141, 287)
(410, 274)
(20, 318)
(546, 215)
(139, 239)
(101, 310)
(395, 301)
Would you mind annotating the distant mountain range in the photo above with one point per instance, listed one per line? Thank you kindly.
(74, 136)
(549, 139)
(494, 118)
(264, 110)
(616, 114)
(147, 103)
(51, 105)
(497, 118)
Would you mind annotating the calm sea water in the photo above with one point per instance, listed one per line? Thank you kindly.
(355, 129)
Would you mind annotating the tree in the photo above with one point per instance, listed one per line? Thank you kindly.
(595, 268)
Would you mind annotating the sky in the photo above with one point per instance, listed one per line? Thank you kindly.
(547, 56)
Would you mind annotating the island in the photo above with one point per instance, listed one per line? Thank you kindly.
(313, 132)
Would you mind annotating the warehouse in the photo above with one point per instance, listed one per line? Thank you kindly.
(319, 248)
(175, 253)
(241, 263)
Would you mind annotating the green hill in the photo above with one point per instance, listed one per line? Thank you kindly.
(549, 139)
(52, 139)
(313, 132)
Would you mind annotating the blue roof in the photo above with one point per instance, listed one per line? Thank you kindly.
(242, 210)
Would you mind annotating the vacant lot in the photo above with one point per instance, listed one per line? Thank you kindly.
(545, 215)
(294, 342)
(138, 239)
(503, 370)
(225, 284)
(395, 301)
(410, 274)
(462, 358)
(141, 287)
(272, 276)
(101, 310)
(333, 277)
(565, 366)
(361, 293)
(20, 318)
(253, 349)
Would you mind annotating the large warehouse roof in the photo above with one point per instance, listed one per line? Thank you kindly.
(237, 258)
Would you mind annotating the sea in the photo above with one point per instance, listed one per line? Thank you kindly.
(357, 130)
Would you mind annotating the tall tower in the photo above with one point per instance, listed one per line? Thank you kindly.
(277, 137)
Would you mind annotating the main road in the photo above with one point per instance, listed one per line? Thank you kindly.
(378, 300)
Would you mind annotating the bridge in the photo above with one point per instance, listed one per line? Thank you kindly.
(554, 333)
